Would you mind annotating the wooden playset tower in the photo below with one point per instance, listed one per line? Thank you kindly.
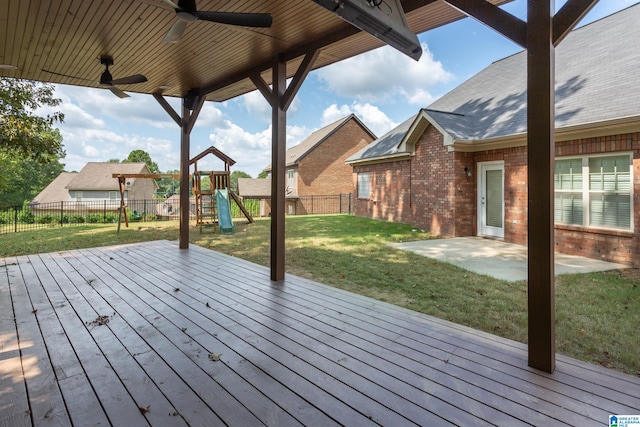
(209, 202)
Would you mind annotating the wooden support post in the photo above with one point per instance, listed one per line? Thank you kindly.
(278, 161)
(280, 99)
(185, 141)
(195, 101)
(540, 171)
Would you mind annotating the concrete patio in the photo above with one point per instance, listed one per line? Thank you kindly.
(505, 261)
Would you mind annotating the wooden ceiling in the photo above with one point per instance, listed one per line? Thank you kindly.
(69, 37)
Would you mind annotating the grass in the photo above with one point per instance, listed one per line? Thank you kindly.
(597, 314)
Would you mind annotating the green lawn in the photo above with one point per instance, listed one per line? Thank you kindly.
(598, 314)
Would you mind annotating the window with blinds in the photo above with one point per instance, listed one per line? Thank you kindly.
(594, 191)
(363, 185)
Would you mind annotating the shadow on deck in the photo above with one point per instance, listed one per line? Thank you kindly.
(147, 334)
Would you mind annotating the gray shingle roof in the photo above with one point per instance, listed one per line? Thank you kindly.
(597, 80)
(98, 176)
(56, 191)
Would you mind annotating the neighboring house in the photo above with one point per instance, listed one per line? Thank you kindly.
(94, 183)
(316, 166)
(459, 167)
(257, 188)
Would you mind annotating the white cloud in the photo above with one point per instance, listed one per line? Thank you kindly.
(251, 151)
(376, 120)
(385, 74)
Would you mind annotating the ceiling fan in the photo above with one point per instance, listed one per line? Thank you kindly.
(186, 12)
(106, 79)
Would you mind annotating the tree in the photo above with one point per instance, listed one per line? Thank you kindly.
(113, 161)
(141, 156)
(263, 174)
(169, 186)
(21, 180)
(22, 132)
(234, 179)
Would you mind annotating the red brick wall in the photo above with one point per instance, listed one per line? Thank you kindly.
(432, 192)
(323, 171)
(617, 246)
(390, 192)
(515, 190)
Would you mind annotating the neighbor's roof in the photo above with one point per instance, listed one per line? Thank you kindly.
(56, 191)
(259, 188)
(98, 176)
(297, 153)
(597, 83)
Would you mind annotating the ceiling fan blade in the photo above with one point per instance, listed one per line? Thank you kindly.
(66, 75)
(172, 4)
(176, 32)
(263, 20)
(117, 92)
(136, 78)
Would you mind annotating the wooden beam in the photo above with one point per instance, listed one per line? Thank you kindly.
(540, 170)
(193, 116)
(263, 87)
(503, 22)
(145, 175)
(168, 108)
(568, 17)
(297, 51)
(185, 141)
(301, 74)
(278, 160)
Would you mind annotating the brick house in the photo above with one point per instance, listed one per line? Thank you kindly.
(316, 166)
(459, 167)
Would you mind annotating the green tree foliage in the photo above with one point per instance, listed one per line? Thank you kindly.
(30, 146)
(141, 156)
(113, 161)
(22, 179)
(262, 175)
(169, 186)
(22, 132)
(234, 179)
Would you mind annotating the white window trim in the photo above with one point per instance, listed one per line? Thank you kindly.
(368, 174)
(586, 193)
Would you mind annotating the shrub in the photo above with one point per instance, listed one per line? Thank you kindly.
(93, 218)
(76, 219)
(25, 216)
(45, 219)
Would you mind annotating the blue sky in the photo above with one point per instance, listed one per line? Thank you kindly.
(382, 87)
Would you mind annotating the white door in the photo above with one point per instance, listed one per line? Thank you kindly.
(491, 199)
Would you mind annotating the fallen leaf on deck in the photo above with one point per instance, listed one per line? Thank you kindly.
(183, 329)
(176, 289)
(34, 311)
(214, 357)
(144, 410)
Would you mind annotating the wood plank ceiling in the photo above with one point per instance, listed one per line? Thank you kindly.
(69, 37)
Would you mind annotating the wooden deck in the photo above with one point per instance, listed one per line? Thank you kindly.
(131, 336)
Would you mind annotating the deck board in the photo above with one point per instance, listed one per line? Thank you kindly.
(290, 353)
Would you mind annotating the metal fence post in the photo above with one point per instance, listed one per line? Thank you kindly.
(61, 213)
(15, 219)
(104, 213)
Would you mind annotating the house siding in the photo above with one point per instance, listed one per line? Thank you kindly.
(431, 191)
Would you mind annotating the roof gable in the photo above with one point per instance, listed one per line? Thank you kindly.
(56, 191)
(596, 81)
(596, 72)
(297, 153)
(98, 176)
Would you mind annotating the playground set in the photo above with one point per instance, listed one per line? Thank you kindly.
(212, 200)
